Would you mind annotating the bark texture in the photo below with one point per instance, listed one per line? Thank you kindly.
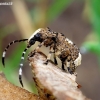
(9, 91)
(53, 83)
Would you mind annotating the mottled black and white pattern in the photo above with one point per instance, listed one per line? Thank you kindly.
(60, 46)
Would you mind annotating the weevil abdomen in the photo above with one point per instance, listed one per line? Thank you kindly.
(67, 52)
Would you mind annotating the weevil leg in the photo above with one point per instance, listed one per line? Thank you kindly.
(71, 69)
(49, 56)
(63, 66)
(55, 41)
(68, 66)
(38, 47)
(55, 60)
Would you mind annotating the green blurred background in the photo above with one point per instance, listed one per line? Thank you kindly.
(79, 20)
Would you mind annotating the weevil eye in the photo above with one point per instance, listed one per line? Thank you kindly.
(38, 37)
(32, 41)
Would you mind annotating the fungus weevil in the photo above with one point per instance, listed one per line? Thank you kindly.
(62, 47)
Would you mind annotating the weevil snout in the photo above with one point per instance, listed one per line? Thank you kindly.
(37, 37)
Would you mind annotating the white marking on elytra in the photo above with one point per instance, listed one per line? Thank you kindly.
(20, 71)
(69, 41)
(77, 62)
(4, 53)
(38, 30)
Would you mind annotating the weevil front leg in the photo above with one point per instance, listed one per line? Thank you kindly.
(39, 46)
(63, 66)
(37, 49)
(72, 67)
(55, 41)
(55, 60)
(49, 55)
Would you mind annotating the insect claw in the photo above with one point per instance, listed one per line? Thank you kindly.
(63, 66)
(31, 54)
(46, 62)
(70, 71)
(55, 61)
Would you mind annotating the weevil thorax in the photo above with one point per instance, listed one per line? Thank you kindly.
(36, 36)
(37, 31)
(40, 35)
(43, 31)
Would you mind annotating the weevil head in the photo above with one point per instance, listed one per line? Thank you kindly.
(39, 35)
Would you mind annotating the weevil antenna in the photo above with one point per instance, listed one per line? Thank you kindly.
(4, 53)
(21, 65)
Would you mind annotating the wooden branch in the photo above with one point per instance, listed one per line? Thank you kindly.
(9, 91)
(52, 83)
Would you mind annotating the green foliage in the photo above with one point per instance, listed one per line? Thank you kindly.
(95, 16)
(4, 31)
(53, 10)
(56, 8)
(93, 47)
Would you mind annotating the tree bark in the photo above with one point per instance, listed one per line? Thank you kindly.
(9, 91)
(53, 83)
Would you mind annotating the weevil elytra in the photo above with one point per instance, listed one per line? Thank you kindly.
(60, 46)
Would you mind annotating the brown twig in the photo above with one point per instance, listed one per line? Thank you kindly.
(52, 83)
(10, 92)
(23, 19)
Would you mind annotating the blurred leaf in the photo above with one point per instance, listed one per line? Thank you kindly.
(53, 11)
(7, 29)
(33, 14)
(0, 47)
(16, 55)
(93, 47)
(33, 0)
(56, 8)
(95, 16)
(99, 60)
